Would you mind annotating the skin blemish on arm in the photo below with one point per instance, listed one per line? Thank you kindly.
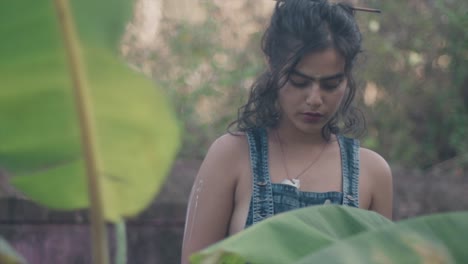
(193, 206)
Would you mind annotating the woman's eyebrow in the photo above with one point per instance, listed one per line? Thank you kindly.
(324, 78)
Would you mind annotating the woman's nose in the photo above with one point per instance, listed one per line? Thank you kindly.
(314, 95)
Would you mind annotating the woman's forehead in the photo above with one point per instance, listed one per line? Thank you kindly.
(321, 64)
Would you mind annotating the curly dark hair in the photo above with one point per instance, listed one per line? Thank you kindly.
(298, 27)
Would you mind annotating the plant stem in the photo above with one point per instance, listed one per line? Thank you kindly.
(82, 100)
(121, 235)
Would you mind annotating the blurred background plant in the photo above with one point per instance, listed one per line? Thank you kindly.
(205, 65)
(416, 82)
(413, 73)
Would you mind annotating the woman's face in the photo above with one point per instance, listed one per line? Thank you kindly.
(314, 91)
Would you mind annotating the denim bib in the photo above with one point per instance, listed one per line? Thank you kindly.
(269, 198)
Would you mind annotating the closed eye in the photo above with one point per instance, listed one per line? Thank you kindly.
(332, 84)
(299, 84)
(328, 83)
(298, 81)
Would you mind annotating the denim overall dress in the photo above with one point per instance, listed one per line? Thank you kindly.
(269, 198)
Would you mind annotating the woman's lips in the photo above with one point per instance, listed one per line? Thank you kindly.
(311, 117)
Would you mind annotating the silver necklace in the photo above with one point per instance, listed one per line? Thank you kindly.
(295, 182)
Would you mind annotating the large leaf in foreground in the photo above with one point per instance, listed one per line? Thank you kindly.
(288, 237)
(439, 238)
(137, 136)
(335, 234)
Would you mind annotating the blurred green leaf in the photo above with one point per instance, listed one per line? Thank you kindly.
(438, 238)
(137, 135)
(287, 237)
(339, 234)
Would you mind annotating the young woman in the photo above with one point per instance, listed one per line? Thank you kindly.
(289, 150)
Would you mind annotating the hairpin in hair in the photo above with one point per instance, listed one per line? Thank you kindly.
(365, 9)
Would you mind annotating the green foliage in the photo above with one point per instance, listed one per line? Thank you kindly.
(137, 136)
(340, 234)
(438, 238)
(457, 49)
(207, 78)
(421, 114)
(415, 53)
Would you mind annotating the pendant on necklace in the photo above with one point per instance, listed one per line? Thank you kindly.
(294, 182)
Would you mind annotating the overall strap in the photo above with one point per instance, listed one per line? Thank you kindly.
(349, 149)
(262, 195)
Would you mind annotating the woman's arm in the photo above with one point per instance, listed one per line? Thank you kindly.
(212, 197)
(381, 183)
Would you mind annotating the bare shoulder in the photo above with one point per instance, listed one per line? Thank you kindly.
(232, 141)
(372, 162)
(226, 154)
(229, 146)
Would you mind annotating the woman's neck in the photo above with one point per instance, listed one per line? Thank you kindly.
(292, 136)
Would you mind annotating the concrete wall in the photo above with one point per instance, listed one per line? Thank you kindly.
(44, 236)
(47, 237)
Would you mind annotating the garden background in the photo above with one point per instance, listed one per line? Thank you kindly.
(413, 79)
